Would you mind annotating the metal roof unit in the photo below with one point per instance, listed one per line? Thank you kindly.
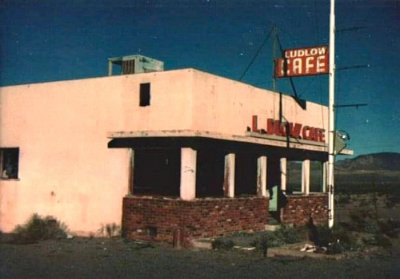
(135, 64)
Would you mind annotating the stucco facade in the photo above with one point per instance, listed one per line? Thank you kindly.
(76, 139)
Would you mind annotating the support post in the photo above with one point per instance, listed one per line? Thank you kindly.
(324, 176)
(331, 107)
(283, 168)
(262, 176)
(131, 172)
(305, 177)
(188, 174)
(229, 177)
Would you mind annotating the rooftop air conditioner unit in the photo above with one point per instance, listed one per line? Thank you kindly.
(134, 64)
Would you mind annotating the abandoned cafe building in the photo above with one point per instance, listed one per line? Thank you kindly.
(157, 151)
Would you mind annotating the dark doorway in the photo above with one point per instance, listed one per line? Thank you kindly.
(273, 172)
(210, 173)
(245, 174)
(157, 172)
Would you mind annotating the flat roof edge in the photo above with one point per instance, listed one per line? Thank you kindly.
(305, 145)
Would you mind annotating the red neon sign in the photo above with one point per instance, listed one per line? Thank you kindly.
(303, 62)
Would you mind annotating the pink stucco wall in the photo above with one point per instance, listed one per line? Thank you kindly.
(226, 106)
(65, 167)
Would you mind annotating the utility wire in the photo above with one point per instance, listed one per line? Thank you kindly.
(257, 53)
(291, 82)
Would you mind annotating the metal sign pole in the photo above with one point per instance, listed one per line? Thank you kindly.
(331, 128)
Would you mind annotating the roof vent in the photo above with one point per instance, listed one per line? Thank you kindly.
(134, 64)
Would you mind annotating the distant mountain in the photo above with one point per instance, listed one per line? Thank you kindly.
(377, 161)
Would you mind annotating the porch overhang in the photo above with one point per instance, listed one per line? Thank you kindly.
(260, 140)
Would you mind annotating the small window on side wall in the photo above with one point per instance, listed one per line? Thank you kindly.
(9, 161)
(144, 94)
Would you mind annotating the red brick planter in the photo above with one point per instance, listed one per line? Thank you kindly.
(299, 209)
(162, 218)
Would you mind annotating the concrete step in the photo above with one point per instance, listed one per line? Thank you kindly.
(202, 243)
(272, 228)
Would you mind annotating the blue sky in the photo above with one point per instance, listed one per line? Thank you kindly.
(47, 40)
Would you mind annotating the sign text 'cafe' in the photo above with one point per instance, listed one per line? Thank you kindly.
(293, 130)
(303, 62)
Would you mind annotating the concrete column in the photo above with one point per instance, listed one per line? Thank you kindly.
(188, 174)
(305, 177)
(324, 176)
(229, 177)
(131, 172)
(283, 174)
(262, 176)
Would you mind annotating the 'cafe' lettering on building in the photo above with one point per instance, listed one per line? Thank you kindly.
(293, 130)
(302, 62)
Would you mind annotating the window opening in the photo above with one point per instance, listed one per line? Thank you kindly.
(245, 174)
(144, 94)
(157, 172)
(294, 175)
(210, 173)
(317, 177)
(9, 160)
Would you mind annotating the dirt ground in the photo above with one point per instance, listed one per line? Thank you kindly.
(116, 258)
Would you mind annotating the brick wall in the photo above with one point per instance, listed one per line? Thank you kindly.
(299, 209)
(161, 218)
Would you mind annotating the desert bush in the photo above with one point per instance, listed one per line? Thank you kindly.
(371, 226)
(262, 244)
(267, 240)
(290, 234)
(343, 198)
(364, 221)
(324, 235)
(222, 244)
(40, 228)
(367, 187)
(284, 235)
(343, 240)
(390, 227)
(382, 240)
(338, 239)
(349, 237)
(377, 239)
(110, 230)
(392, 200)
(360, 220)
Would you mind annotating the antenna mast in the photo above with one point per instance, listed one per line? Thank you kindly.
(331, 124)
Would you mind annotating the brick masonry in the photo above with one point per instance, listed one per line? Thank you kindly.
(298, 209)
(168, 219)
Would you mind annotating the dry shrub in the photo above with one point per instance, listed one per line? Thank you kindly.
(39, 228)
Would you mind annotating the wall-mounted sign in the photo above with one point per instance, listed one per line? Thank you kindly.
(303, 62)
(293, 130)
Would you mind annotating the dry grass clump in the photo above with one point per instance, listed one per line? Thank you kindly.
(39, 228)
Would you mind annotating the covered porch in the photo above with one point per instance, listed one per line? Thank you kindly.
(200, 186)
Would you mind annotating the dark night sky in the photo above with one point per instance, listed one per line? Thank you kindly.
(58, 40)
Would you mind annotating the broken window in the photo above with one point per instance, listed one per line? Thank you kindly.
(144, 94)
(9, 160)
